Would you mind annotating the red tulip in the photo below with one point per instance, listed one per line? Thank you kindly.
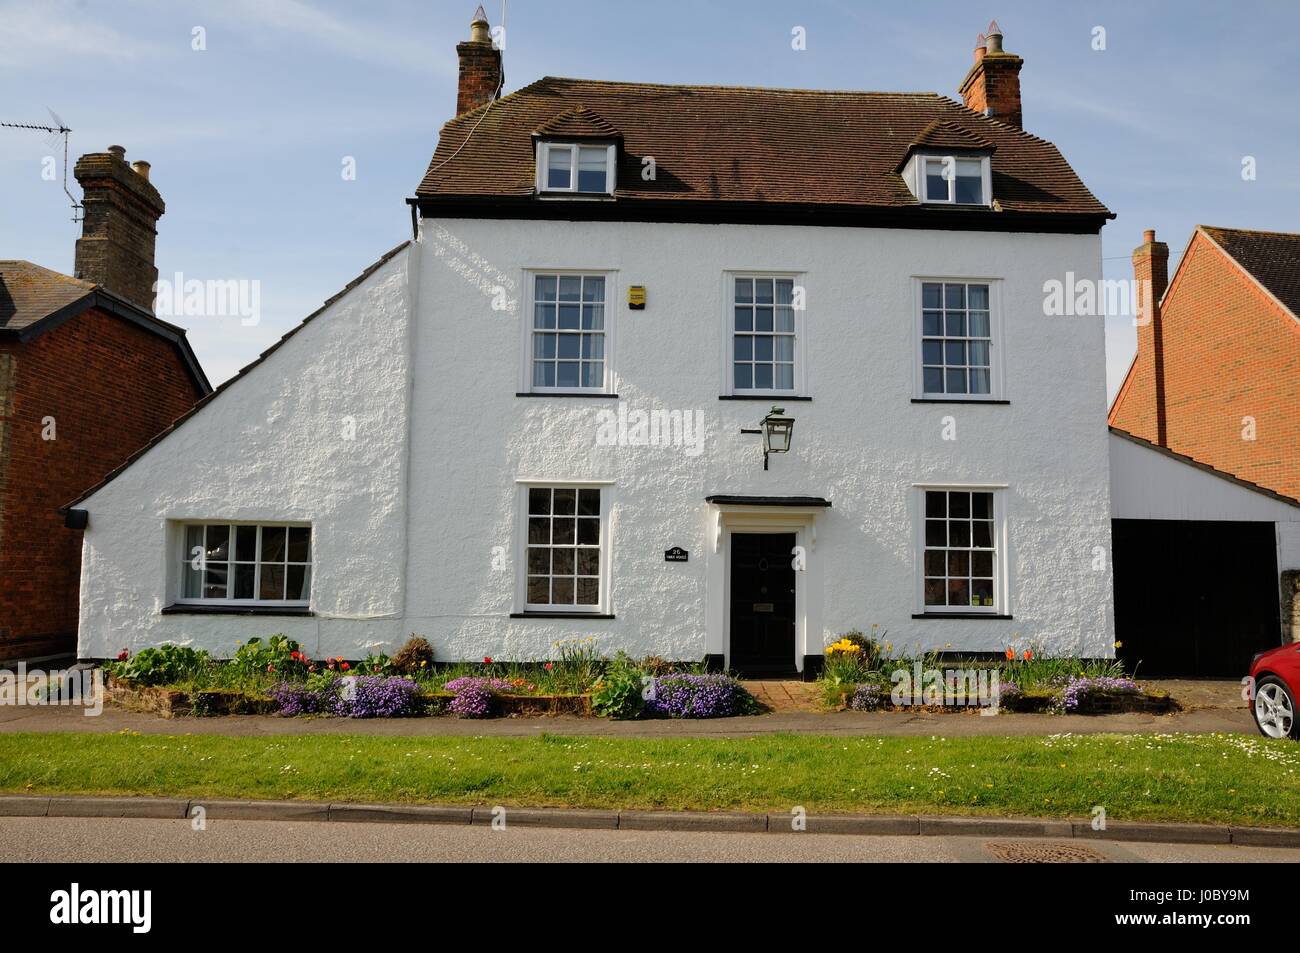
(123, 655)
(345, 666)
(1011, 654)
(550, 665)
(487, 660)
(1028, 655)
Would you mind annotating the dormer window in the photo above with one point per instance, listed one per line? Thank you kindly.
(955, 180)
(576, 154)
(948, 164)
(575, 167)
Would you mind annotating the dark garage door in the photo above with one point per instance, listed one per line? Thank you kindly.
(1195, 597)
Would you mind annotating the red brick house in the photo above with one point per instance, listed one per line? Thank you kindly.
(88, 375)
(1217, 372)
(1205, 455)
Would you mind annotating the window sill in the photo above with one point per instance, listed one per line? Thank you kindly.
(958, 400)
(563, 393)
(561, 615)
(563, 196)
(958, 615)
(195, 609)
(766, 397)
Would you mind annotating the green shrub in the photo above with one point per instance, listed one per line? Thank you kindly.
(164, 665)
(279, 657)
(618, 694)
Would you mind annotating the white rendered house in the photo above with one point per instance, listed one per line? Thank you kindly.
(529, 423)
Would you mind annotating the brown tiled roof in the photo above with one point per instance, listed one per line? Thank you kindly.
(34, 300)
(579, 123)
(1272, 258)
(29, 293)
(948, 135)
(748, 146)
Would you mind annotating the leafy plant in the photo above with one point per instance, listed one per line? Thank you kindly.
(619, 692)
(163, 665)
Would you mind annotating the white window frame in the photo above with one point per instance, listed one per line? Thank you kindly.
(1001, 573)
(181, 558)
(612, 292)
(922, 190)
(997, 370)
(604, 605)
(544, 148)
(729, 388)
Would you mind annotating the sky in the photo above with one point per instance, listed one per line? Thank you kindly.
(250, 136)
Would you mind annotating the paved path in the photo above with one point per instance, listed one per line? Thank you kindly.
(43, 718)
(31, 840)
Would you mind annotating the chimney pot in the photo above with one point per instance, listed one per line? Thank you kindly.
(119, 227)
(992, 86)
(479, 28)
(1149, 236)
(481, 74)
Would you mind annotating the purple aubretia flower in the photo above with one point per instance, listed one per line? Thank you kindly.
(698, 696)
(1079, 688)
(474, 695)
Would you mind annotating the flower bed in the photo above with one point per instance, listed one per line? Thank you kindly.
(862, 673)
(277, 677)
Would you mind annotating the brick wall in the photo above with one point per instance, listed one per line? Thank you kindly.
(480, 75)
(1230, 352)
(110, 386)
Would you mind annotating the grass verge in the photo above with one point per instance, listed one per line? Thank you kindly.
(1199, 778)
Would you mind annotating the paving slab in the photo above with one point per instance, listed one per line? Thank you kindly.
(1164, 833)
(117, 807)
(24, 806)
(547, 817)
(217, 809)
(687, 821)
(400, 813)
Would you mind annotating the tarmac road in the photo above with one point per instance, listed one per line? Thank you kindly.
(128, 840)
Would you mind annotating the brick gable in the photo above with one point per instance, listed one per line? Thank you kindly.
(1229, 352)
(110, 386)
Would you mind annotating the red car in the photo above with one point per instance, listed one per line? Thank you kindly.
(1276, 678)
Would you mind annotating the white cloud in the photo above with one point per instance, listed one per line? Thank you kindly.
(43, 34)
(357, 38)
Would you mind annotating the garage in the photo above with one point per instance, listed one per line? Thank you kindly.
(1200, 561)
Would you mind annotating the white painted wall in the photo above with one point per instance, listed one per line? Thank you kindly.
(443, 567)
(270, 448)
(860, 442)
(1148, 484)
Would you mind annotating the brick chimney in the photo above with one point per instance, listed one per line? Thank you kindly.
(992, 86)
(481, 74)
(1151, 269)
(116, 247)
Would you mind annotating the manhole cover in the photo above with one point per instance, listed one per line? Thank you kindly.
(1021, 853)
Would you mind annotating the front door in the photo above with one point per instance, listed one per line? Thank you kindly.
(762, 603)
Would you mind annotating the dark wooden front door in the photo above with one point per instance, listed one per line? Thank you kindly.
(1194, 597)
(762, 603)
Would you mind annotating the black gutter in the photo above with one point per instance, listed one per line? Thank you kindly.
(708, 212)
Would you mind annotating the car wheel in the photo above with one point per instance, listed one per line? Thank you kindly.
(1275, 709)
